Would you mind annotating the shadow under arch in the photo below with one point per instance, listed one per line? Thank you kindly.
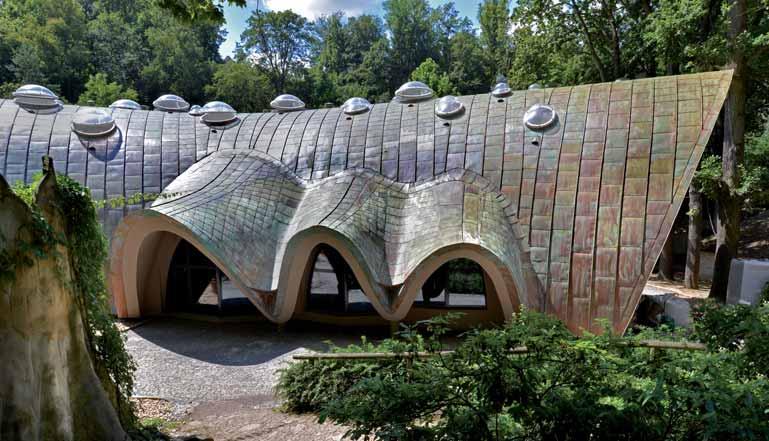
(140, 256)
(299, 258)
(392, 303)
(502, 280)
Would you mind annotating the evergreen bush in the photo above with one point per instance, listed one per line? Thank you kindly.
(597, 387)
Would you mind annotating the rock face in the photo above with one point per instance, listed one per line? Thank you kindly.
(48, 387)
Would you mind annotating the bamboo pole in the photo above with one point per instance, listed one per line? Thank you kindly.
(654, 344)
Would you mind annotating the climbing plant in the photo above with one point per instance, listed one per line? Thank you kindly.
(87, 249)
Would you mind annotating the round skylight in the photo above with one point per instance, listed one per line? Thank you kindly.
(539, 117)
(448, 106)
(414, 91)
(171, 103)
(535, 86)
(37, 99)
(217, 112)
(94, 122)
(195, 110)
(287, 102)
(126, 104)
(356, 105)
(501, 89)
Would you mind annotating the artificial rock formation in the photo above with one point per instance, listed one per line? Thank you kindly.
(48, 387)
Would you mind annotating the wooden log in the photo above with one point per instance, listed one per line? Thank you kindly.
(656, 344)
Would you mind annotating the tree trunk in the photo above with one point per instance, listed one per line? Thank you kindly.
(665, 269)
(729, 205)
(49, 389)
(692, 272)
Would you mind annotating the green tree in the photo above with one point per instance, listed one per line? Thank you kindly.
(180, 57)
(100, 92)
(279, 42)
(430, 73)
(53, 33)
(411, 36)
(494, 19)
(467, 68)
(240, 84)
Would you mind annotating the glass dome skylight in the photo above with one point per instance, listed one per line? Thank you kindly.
(171, 103)
(535, 86)
(287, 102)
(356, 105)
(448, 106)
(126, 104)
(413, 91)
(37, 99)
(94, 122)
(195, 110)
(539, 117)
(217, 112)
(501, 89)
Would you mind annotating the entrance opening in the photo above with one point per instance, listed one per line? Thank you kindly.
(195, 284)
(333, 287)
(458, 283)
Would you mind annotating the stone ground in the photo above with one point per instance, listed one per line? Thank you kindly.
(216, 378)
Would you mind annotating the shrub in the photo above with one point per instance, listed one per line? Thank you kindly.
(563, 387)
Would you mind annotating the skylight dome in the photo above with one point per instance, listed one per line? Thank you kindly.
(535, 86)
(217, 112)
(125, 104)
(195, 110)
(94, 122)
(413, 91)
(37, 99)
(287, 102)
(448, 106)
(539, 117)
(500, 90)
(171, 103)
(356, 105)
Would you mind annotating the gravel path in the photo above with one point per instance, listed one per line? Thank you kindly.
(194, 361)
(219, 377)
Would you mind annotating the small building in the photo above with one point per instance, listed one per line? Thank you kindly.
(556, 199)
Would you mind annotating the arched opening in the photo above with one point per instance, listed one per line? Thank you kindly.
(458, 283)
(332, 286)
(195, 284)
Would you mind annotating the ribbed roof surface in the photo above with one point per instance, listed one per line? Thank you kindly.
(595, 195)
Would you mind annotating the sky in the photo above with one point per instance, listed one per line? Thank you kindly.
(236, 17)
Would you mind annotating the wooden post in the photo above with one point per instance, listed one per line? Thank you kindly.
(692, 273)
(394, 329)
(665, 268)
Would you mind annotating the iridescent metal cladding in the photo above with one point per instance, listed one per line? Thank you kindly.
(591, 204)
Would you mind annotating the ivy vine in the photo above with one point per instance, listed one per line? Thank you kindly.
(87, 246)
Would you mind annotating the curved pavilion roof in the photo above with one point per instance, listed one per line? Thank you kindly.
(574, 217)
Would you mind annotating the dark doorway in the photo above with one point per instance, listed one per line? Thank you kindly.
(458, 283)
(333, 287)
(195, 284)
